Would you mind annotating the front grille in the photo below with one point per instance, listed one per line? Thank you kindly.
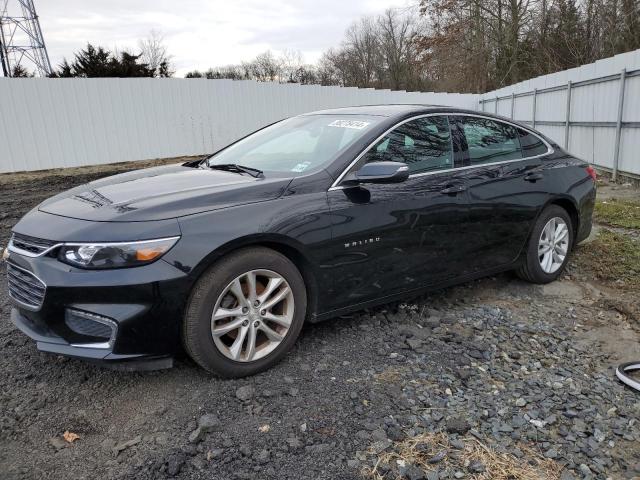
(25, 288)
(30, 245)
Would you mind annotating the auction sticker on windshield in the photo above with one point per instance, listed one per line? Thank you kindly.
(301, 167)
(356, 124)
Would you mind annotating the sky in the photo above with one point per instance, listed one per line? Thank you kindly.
(204, 33)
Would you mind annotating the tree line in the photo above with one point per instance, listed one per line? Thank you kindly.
(460, 45)
(437, 45)
(477, 46)
(379, 52)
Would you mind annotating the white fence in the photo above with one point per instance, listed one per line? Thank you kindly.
(593, 110)
(52, 123)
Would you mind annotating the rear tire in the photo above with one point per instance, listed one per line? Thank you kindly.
(549, 246)
(259, 328)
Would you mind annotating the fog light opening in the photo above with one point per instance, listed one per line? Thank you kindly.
(91, 325)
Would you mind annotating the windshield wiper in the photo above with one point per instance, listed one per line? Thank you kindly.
(233, 167)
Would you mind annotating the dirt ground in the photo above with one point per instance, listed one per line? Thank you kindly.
(408, 390)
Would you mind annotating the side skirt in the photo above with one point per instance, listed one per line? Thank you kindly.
(411, 293)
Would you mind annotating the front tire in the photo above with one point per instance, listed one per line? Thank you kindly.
(245, 313)
(548, 247)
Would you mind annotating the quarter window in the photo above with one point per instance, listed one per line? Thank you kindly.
(424, 144)
(490, 141)
(531, 144)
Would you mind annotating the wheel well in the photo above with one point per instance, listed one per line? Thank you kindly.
(306, 270)
(297, 258)
(571, 209)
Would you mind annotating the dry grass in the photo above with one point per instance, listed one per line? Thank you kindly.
(613, 258)
(419, 450)
(390, 375)
(618, 213)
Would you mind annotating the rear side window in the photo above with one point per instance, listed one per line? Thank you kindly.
(490, 141)
(424, 144)
(531, 144)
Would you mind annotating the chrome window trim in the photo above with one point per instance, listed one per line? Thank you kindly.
(32, 308)
(550, 150)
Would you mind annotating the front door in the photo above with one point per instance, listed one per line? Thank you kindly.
(389, 238)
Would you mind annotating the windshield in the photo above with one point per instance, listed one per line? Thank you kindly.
(298, 144)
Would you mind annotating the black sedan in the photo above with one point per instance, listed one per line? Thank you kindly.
(306, 219)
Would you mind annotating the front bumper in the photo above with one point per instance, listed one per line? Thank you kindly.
(144, 305)
(49, 341)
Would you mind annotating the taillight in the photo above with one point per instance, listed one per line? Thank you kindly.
(592, 172)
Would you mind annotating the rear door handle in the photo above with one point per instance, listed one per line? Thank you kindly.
(454, 189)
(532, 177)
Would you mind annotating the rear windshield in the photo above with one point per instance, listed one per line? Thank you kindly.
(297, 145)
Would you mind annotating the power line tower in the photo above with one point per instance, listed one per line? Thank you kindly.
(21, 41)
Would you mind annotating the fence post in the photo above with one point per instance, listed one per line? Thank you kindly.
(535, 99)
(495, 110)
(567, 123)
(616, 155)
(513, 101)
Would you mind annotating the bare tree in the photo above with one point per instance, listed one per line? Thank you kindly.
(328, 72)
(154, 52)
(291, 62)
(362, 50)
(397, 34)
(265, 67)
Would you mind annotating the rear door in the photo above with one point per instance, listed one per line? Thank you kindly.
(506, 189)
(389, 238)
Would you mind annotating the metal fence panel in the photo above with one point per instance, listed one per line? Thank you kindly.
(551, 106)
(629, 155)
(593, 110)
(631, 111)
(52, 123)
(552, 131)
(522, 108)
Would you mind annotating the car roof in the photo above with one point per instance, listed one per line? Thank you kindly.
(390, 110)
(398, 112)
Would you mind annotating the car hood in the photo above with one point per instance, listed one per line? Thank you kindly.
(160, 193)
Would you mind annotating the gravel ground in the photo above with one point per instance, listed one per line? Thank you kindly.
(527, 370)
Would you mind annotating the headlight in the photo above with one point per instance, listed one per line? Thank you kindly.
(115, 255)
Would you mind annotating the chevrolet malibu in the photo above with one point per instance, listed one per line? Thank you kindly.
(306, 219)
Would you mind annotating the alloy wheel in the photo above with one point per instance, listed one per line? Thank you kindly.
(553, 245)
(252, 315)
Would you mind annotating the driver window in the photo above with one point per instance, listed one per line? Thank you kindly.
(424, 144)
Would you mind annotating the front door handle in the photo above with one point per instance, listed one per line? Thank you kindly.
(454, 189)
(532, 177)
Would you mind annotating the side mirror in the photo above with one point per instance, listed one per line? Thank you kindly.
(379, 172)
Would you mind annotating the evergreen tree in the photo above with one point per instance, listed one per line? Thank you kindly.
(94, 62)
